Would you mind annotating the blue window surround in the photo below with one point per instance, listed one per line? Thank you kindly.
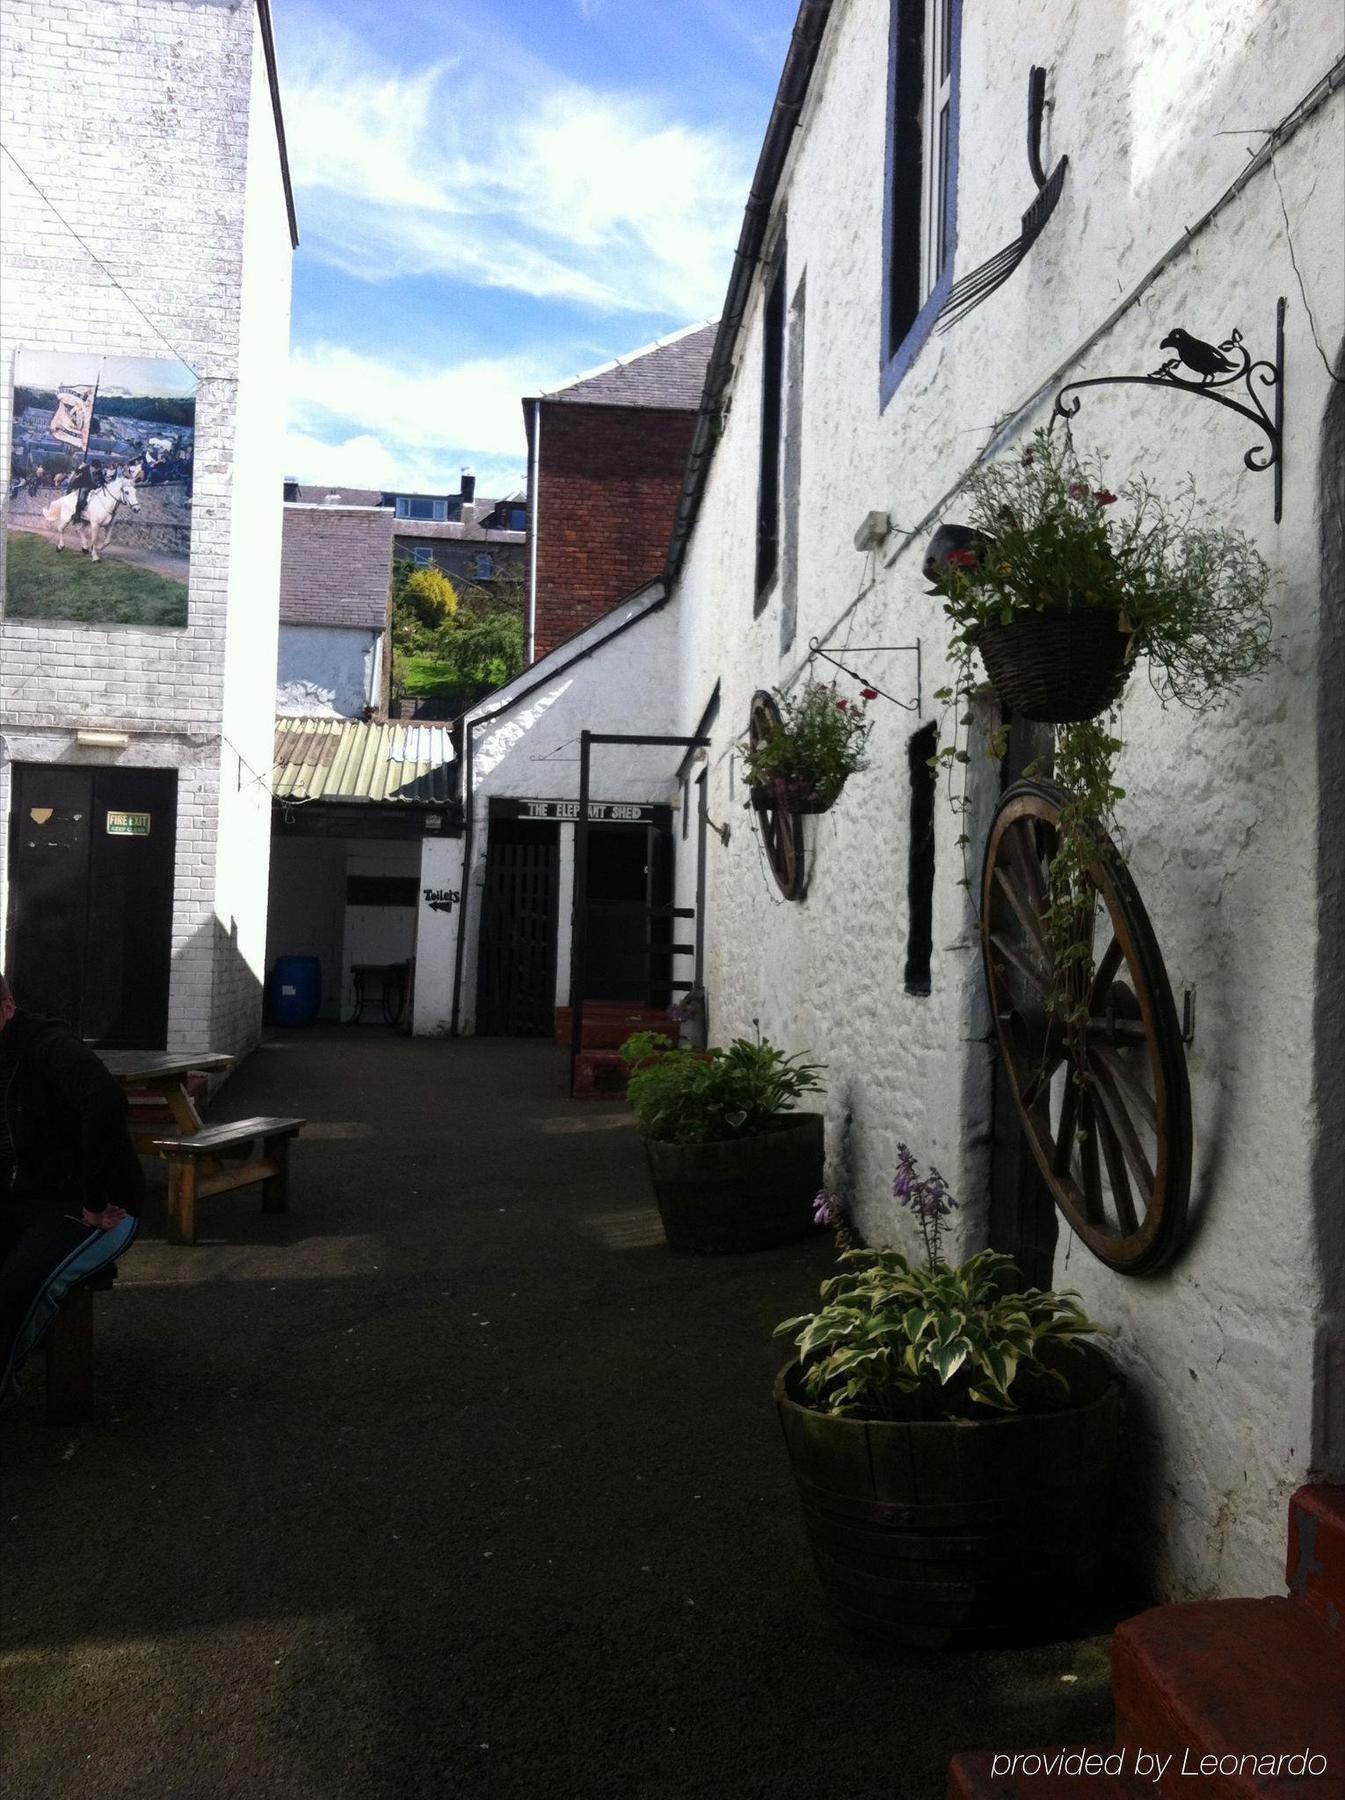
(897, 358)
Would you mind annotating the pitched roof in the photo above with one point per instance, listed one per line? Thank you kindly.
(669, 374)
(335, 566)
(348, 760)
(314, 493)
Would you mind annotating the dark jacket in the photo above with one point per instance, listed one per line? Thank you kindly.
(66, 1119)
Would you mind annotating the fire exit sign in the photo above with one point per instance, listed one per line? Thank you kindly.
(128, 824)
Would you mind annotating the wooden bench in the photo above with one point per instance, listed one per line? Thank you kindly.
(223, 1157)
(69, 1349)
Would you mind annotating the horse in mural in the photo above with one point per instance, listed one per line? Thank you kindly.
(96, 526)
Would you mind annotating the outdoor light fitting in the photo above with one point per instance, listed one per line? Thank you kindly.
(874, 530)
(103, 740)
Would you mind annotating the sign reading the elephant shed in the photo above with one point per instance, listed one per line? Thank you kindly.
(600, 812)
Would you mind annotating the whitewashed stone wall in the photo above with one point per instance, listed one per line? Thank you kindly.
(191, 221)
(530, 750)
(1221, 813)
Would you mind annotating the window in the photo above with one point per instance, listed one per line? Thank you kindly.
(792, 482)
(921, 177)
(421, 555)
(485, 565)
(412, 506)
(772, 417)
(920, 860)
(518, 519)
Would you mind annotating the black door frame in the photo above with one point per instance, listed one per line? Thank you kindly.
(579, 906)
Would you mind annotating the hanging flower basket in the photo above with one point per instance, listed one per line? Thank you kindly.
(1058, 667)
(802, 794)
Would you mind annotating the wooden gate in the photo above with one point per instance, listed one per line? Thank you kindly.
(516, 976)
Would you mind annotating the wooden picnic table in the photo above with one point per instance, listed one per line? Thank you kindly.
(164, 1073)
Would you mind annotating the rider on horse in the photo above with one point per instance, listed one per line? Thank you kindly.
(83, 481)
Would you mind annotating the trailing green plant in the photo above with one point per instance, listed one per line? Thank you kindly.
(896, 1342)
(1190, 598)
(817, 743)
(689, 1096)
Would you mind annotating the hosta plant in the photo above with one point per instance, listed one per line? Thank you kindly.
(897, 1342)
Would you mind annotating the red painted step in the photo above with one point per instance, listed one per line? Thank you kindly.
(1232, 1680)
(1315, 1572)
(983, 1775)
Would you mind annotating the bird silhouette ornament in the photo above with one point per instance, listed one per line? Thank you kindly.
(1208, 360)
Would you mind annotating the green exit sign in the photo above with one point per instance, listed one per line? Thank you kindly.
(124, 824)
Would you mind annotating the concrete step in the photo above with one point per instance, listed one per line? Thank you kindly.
(1020, 1775)
(1315, 1573)
(1238, 1682)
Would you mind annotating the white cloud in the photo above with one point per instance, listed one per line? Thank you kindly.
(505, 175)
(368, 421)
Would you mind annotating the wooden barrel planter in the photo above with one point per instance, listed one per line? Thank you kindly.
(962, 1532)
(748, 1193)
(1057, 667)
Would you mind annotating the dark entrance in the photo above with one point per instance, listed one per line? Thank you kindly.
(628, 890)
(91, 908)
(516, 978)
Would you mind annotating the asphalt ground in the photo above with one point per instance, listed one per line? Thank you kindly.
(453, 1481)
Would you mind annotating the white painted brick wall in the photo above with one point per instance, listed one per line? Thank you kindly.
(1220, 812)
(190, 219)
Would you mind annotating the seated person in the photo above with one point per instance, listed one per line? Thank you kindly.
(71, 1185)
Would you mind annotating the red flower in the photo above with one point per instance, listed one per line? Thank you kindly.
(1078, 490)
(841, 705)
(1105, 497)
(962, 559)
(868, 693)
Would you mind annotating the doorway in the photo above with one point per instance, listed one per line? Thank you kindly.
(91, 899)
(516, 979)
(628, 887)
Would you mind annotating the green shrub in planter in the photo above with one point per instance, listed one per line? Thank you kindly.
(734, 1166)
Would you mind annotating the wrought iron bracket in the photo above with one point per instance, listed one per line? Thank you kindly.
(1214, 368)
(917, 706)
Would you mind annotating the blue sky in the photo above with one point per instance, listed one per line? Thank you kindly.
(493, 198)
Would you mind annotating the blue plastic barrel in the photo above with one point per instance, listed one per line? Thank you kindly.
(296, 990)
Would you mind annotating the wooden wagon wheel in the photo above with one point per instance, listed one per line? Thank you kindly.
(781, 829)
(1105, 1102)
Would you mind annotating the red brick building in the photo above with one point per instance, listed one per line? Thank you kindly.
(606, 457)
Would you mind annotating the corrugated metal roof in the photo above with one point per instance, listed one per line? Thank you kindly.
(347, 760)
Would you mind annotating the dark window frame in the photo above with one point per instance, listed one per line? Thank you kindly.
(907, 321)
(774, 317)
(920, 859)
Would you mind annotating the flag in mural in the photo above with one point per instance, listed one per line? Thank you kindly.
(73, 416)
(101, 467)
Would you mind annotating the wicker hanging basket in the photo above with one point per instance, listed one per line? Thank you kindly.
(797, 794)
(1057, 667)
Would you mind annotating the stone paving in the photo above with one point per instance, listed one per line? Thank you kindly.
(453, 1482)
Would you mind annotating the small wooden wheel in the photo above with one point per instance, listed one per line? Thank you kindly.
(1105, 1101)
(781, 829)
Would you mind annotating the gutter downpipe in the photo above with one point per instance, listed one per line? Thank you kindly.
(468, 833)
(789, 99)
(534, 474)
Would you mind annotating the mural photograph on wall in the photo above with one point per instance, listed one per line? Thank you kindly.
(100, 488)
